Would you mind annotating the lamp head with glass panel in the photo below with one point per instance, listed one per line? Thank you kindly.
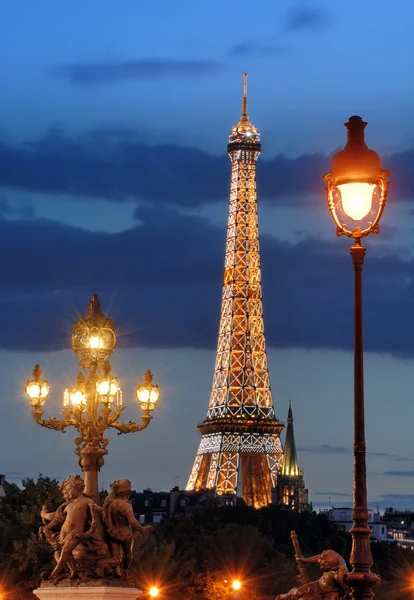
(357, 186)
(108, 388)
(37, 389)
(93, 336)
(148, 394)
(75, 398)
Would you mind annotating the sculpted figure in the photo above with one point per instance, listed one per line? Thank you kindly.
(122, 527)
(53, 537)
(81, 535)
(330, 586)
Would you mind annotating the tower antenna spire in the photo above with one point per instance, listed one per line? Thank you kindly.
(244, 101)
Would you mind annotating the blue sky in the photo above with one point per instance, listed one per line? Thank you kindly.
(114, 179)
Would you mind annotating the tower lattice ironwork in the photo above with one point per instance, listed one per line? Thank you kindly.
(240, 445)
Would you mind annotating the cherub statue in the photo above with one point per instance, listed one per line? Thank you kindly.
(122, 528)
(81, 536)
(53, 537)
(330, 586)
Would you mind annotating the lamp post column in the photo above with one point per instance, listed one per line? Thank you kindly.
(91, 459)
(361, 579)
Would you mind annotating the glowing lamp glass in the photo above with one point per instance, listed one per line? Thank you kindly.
(236, 585)
(107, 389)
(103, 387)
(95, 342)
(148, 395)
(143, 395)
(37, 391)
(356, 199)
(33, 391)
(77, 398)
(154, 592)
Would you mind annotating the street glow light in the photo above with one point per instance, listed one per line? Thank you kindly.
(357, 186)
(357, 190)
(236, 585)
(154, 591)
(147, 394)
(94, 403)
(37, 389)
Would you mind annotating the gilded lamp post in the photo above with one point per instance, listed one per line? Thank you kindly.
(94, 403)
(357, 193)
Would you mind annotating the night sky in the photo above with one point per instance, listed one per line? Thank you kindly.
(114, 179)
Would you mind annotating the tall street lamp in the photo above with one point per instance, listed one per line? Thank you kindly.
(94, 403)
(357, 193)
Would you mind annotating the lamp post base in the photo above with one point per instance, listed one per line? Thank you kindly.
(86, 592)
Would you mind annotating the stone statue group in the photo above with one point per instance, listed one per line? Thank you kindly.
(90, 541)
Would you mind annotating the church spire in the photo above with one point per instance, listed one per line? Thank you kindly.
(290, 464)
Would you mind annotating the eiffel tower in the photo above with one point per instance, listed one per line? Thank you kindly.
(240, 449)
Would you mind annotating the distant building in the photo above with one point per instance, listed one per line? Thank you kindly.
(400, 526)
(398, 518)
(290, 490)
(343, 518)
(153, 507)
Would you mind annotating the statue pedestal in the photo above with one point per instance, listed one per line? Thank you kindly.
(101, 592)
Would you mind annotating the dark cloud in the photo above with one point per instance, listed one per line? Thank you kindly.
(305, 17)
(119, 165)
(99, 73)
(10, 211)
(161, 281)
(97, 165)
(170, 268)
(399, 473)
(256, 50)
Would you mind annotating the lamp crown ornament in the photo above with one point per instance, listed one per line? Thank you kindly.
(94, 305)
(356, 160)
(148, 377)
(37, 373)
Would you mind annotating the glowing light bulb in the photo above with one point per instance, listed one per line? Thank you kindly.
(77, 398)
(236, 585)
(95, 342)
(33, 391)
(103, 387)
(356, 199)
(154, 591)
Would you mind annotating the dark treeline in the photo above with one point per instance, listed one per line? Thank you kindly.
(197, 556)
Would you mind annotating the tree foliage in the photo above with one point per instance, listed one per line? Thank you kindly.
(22, 554)
(196, 557)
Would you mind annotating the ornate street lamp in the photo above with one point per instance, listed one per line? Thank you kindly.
(357, 190)
(94, 403)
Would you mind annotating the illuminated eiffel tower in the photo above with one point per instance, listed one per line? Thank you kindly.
(240, 448)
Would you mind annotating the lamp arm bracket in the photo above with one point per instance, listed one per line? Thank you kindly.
(131, 426)
(113, 418)
(52, 423)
